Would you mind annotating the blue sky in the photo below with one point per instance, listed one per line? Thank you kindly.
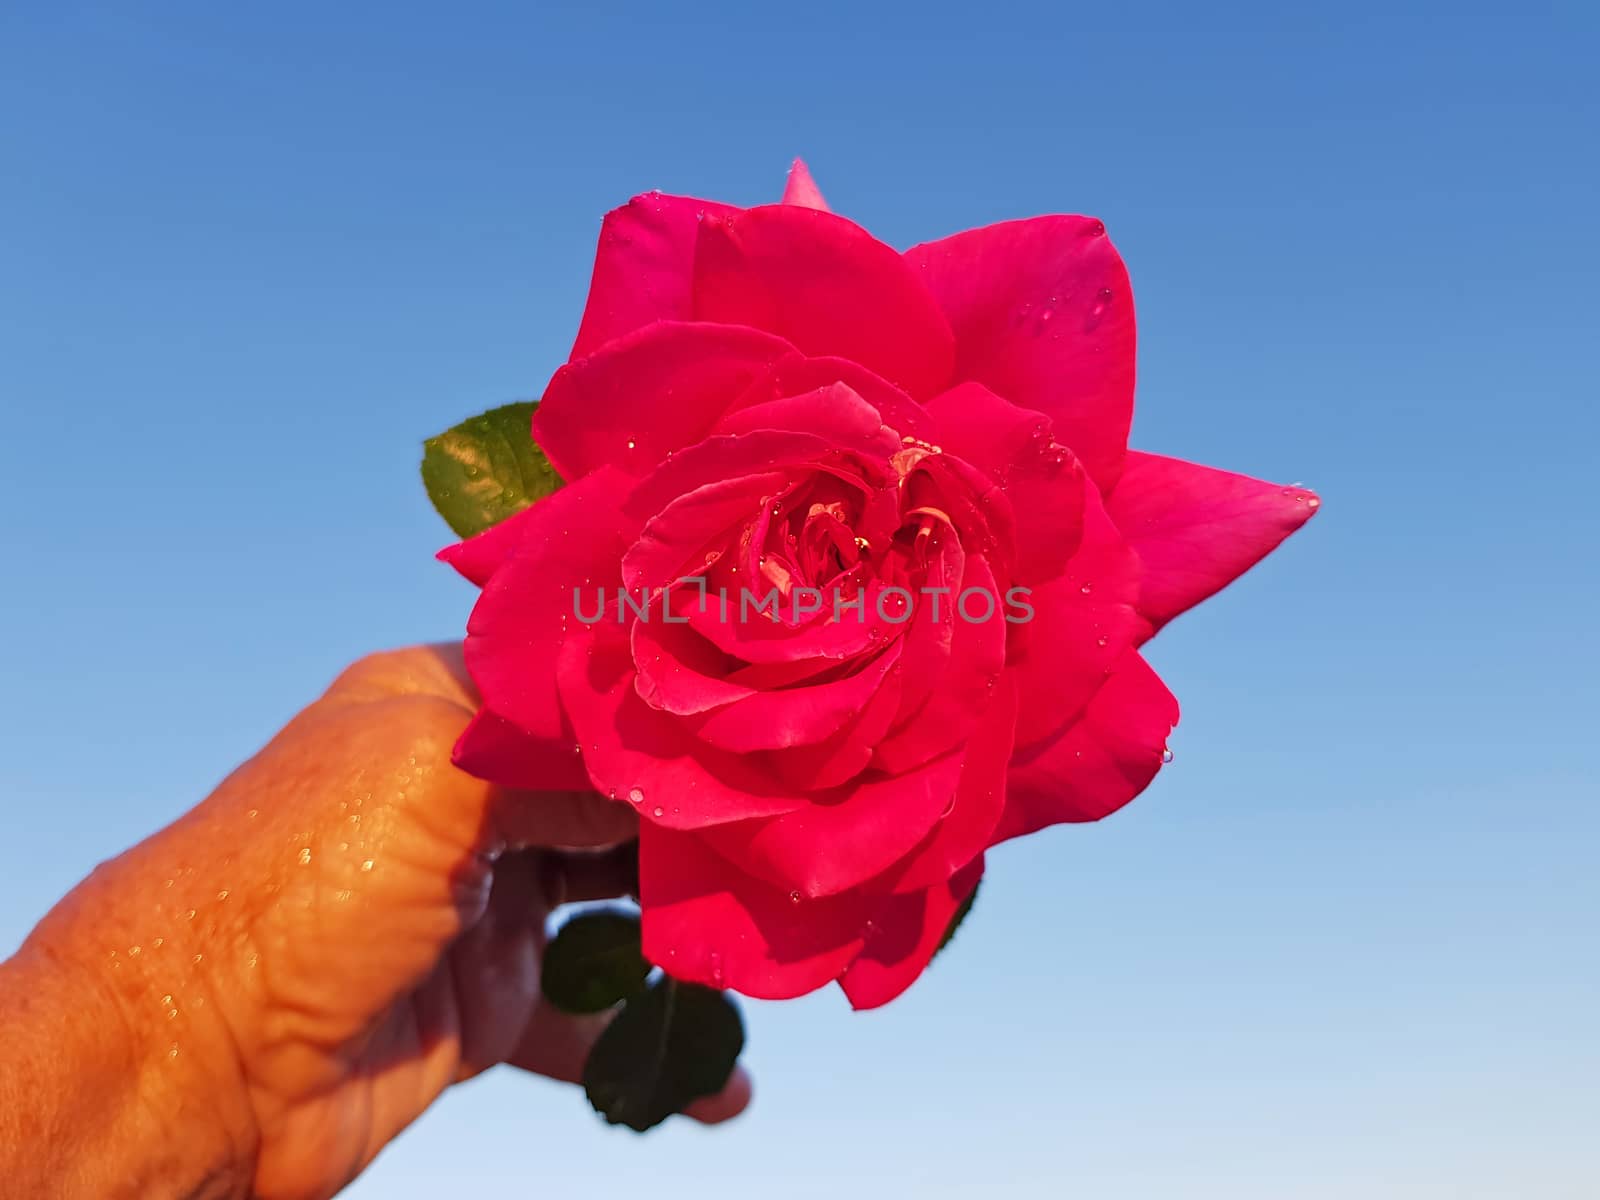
(1344, 946)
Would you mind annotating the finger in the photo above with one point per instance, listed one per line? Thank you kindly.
(556, 1045)
(572, 877)
(563, 819)
(732, 1100)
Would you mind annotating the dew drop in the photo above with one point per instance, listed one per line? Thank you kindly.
(1102, 301)
(1098, 229)
(305, 856)
(1166, 754)
(366, 864)
(635, 795)
(632, 444)
(1101, 641)
(658, 811)
(794, 897)
(1087, 588)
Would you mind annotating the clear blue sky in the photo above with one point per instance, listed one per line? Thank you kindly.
(251, 256)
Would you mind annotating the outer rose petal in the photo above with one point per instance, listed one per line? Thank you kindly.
(828, 286)
(655, 390)
(705, 921)
(493, 748)
(1042, 478)
(1043, 314)
(1197, 529)
(980, 798)
(1083, 622)
(480, 556)
(572, 537)
(643, 266)
(1106, 758)
(905, 934)
(838, 842)
(802, 189)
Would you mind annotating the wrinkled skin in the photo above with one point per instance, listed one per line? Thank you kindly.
(292, 972)
(771, 398)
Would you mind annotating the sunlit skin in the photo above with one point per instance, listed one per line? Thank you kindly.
(257, 999)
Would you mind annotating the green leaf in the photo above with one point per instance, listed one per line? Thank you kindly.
(959, 916)
(668, 1046)
(487, 468)
(594, 961)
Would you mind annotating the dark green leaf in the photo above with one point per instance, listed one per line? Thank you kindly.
(668, 1046)
(593, 962)
(960, 916)
(486, 469)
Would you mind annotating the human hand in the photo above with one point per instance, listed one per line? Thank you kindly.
(287, 976)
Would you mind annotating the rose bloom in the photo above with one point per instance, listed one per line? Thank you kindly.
(771, 399)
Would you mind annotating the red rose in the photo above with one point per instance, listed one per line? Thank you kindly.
(773, 401)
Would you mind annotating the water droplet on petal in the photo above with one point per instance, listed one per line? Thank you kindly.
(794, 897)
(658, 811)
(1166, 754)
(635, 795)
(1087, 588)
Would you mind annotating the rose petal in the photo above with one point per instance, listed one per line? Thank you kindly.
(1043, 314)
(1082, 623)
(826, 285)
(493, 748)
(796, 716)
(967, 685)
(847, 753)
(570, 539)
(655, 390)
(980, 798)
(1197, 529)
(1041, 477)
(636, 753)
(687, 539)
(801, 189)
(480, 556)
(643, 266)
(797, 374)
(1102, 761)
(705, 921)
(904, 936)
(837, 842)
